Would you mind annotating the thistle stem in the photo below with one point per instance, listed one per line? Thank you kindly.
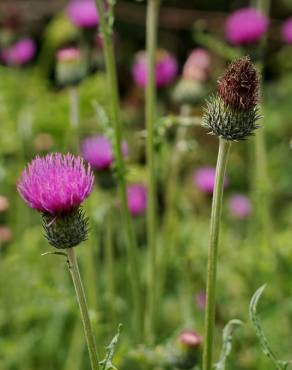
(151, 31)
(224, 147)
(109, 55)
(74, 271)
(109, 265)
(74, 107)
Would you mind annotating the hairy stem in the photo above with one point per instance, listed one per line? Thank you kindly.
(115, 116)
(224, 147)
(74, 271)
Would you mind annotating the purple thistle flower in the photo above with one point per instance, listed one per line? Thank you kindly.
(97, 151)
(204, 179)
(83, 13)
(137, 199)
(245, 26)
(19, 53)
(240, 206)
(55, 184)
(197, 66)
(166, 68)
(286, 31)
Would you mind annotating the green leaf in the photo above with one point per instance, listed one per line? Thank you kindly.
(227, 342)
(279, 365)
(107, 364)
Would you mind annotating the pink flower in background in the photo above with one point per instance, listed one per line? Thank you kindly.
(83, 13)
(197, 66)
(19, 53)
(68, 54)
(240, 206)
(286, 31)
(97, 151)
(204, 179)
(190, 339)
(137, 199)
(166, 68)
(245, 26)
(56, 183)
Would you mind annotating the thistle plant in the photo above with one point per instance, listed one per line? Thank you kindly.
(231, 115)
(56, 185)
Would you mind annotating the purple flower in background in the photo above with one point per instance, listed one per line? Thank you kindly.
(97, 151)
(166, 68)
(83, 13)
(286, 31)
(19, 53)
(201, 300)
(204, 179)
(137, 199)
(245, 26)
(240, 206)
(56, 183)
(197, 65)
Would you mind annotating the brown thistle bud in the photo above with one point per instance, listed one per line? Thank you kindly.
(239, 86)
(233, 113)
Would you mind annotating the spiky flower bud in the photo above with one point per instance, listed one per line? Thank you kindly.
(232, 114)
(67, 230)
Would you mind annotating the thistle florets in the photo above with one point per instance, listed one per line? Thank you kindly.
(232, 113)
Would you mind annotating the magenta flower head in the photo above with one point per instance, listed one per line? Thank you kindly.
(240, 206)
(245, 26)
(137, 199)
(98, 151)
(20, 53)
(204, 179)
(56, 185)
(197, 66)
(70, 67)
(166, 68)
(83, 13)
(286, 31)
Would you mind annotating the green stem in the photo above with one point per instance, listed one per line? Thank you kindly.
(74, 107)
(132, 249)
(74, 271)
(224, 147)
(151, 30)
(109, 265)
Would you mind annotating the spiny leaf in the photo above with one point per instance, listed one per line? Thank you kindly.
(279, 365)
(107, 364)
(227, 343)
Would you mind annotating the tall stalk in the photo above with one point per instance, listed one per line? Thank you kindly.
(109, 55)
(151, 31)
(261, 185)
(74, 271)
(224, 147)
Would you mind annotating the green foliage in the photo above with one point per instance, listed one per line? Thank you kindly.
(265, 346)
(227, 343)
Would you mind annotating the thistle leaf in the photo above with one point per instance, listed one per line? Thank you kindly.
(227, 343)
(107, 364)
(279, 365)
